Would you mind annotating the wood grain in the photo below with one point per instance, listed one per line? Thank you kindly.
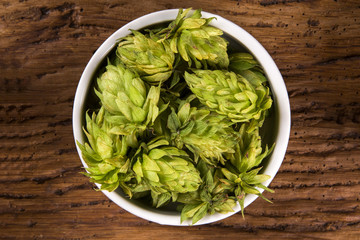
(44, 47)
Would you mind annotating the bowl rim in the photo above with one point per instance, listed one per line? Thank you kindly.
(280, 96)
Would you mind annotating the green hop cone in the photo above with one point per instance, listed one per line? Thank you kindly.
(129, 104)
(210, 198)
(151, 59)
(249, 152)
(206, 134)
(167, 170)
(249, 68)
(245, 183)
(229, 94)
(196, 41)
(105, 153)
(241, 172)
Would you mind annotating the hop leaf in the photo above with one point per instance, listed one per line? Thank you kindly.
(229, 94)
(151, 59)
(128, 103)
(105, 154)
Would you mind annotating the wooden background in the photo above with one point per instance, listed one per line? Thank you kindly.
(44, 47)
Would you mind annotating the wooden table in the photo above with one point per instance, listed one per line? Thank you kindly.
(44, 47)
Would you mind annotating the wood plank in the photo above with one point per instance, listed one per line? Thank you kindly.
(44, 47)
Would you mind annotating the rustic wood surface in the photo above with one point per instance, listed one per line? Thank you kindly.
(44, 47)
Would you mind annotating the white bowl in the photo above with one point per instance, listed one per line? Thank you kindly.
(279, 129)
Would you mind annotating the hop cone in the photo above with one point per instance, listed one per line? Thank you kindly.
(105, 154)
(249, 68)
(128, 103)
(240, 174)
(229, 94)
(249, 152)
(196, 41)
(151, 59)
(167, 170)
(210, 198)
(206, 134)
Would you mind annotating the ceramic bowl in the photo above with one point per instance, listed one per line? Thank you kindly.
(276, 129)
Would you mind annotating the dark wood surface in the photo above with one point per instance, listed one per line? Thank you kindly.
(44, 47)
